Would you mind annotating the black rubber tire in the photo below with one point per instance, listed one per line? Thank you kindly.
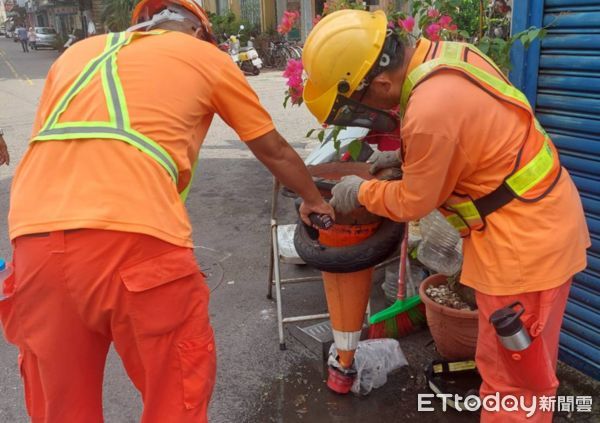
(368, 253)
(255, 71)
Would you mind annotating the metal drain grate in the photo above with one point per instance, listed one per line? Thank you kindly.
(317, 338)
(320, 332)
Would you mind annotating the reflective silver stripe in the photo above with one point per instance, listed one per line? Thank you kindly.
(92, 69)
(120, 122)
(118, 127)
(103, 132)
(110, 80)
(345, 341)
(114, 37)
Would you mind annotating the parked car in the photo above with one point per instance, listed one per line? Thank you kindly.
(45, 37)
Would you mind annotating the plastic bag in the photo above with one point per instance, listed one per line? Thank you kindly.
(440, 249)
(373, 361)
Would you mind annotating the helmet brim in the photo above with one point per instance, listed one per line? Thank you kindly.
(319, 105)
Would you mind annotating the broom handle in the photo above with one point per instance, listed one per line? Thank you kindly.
(402, 269)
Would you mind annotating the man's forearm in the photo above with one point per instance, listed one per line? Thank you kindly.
(290, 170)
(286, 165)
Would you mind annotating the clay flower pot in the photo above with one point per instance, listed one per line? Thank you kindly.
(454, 331)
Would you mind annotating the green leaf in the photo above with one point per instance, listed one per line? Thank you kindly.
(533, 35)
(416, 6)
(413, 254)
(309, 133)
(464, 34)
(484, 45)
(285, 101)
(336, 132)
(336, 146)
(321, 135)
(354, 149)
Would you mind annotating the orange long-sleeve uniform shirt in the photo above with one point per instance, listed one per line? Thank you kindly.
(173, 84)
(458, 138)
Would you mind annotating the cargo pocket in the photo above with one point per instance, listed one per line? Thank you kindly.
(197, 358)
(164, 291)
(10, 322)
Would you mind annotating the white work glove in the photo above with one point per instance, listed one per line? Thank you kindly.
(345, 194)
(383, 160)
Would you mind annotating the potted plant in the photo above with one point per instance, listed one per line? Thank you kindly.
(451, 316)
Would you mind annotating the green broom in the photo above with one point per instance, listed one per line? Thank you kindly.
(404, 316)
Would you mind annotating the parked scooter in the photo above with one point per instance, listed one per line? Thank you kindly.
(245, 57)
(72, 38)
(250, 62)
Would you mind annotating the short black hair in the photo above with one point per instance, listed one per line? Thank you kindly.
(397, 54)
(390, 58)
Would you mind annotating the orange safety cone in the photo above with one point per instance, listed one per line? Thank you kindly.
(347, 297)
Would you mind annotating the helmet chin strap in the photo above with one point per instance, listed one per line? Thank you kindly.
(172, 13)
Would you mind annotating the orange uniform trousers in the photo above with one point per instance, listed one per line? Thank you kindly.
(543, 317)
(73, 293)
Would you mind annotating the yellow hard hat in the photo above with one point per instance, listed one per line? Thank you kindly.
(338, 54)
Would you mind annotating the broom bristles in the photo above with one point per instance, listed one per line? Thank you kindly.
(401, 325)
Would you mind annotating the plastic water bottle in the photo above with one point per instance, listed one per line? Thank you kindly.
(5, 272)
(440, 249)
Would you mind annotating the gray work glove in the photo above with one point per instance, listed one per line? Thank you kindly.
(345, 194)
(382, 160)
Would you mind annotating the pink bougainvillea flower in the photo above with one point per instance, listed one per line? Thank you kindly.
(287, 21)
(433, 13)
(293, 72)
(285, 26)
(453, 28)
(445, 21)
(294, 67)
(316, 19)
(283, 29)
(292, 15)
(407, 24)
(391, 25)
(433, 32)
(325, 8)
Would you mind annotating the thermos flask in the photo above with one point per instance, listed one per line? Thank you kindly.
(509, 327)
(525, 357)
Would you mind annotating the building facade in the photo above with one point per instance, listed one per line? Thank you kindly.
(62, 15)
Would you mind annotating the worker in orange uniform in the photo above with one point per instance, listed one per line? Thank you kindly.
(471, 147)
(102, 241)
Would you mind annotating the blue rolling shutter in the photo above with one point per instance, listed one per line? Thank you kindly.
(562, 78)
